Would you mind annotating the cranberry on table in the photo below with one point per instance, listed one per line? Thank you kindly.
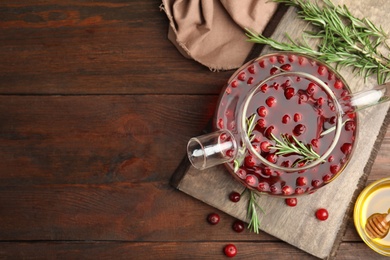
(230, 250)
(234, 196)
(238, 226)
(322, 214)
(292, 202)
(213, 218)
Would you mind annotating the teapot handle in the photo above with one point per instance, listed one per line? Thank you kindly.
(354, 102)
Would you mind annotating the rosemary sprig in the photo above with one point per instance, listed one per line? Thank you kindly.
(250, 122)
(344, 39)
(285, 146)
(254, 222)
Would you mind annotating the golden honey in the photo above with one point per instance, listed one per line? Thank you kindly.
(375, 198)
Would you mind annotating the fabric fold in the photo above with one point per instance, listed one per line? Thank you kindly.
(212, 31)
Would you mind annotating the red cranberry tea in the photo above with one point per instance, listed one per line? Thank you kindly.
(291, 109)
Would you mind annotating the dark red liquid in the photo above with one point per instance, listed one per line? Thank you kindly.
(292, 106)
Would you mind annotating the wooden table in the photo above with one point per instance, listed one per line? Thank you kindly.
(96, 107)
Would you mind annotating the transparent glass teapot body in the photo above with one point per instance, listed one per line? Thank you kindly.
(286, 125)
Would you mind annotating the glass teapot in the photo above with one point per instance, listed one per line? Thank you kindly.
(285, 125)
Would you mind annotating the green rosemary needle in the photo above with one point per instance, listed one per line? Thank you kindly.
(285, 146)
(254, 221)
(344, 39)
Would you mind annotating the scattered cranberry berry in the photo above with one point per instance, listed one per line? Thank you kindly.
(273, 70)
(261, 123)
(241, 173)
(289, 92)
(264, 146)
(263, 186)
(291, 57)
(269, 131)
(230, 250)
(251, 180)
(346, 148)
(334, 168)
(301, 60)
(262, 111)
(281, 59)
(234, 84)
(315, 183)
(271, 101)
(287, 190)
(350, 126)
(322, 214)
(327, 177)
(220, 123)
(267, 171)
(213, 218)
(311, 88)
(338, 84)
(285, 119)
(234, 196)
(262, 63)
(303, 98)
(320, 101)
(292, 202)
(314, 142)
(264, 88)
(251, 69)
(297, 117)
(250, 161)
(241, 76)
(299, 129)
(286, 67)
(322, 70)
(301, 181)
(238, 226)
(272, 158)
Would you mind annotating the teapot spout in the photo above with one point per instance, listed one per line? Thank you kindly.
(211, 149)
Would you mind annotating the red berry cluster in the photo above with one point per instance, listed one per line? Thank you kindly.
(238, 226)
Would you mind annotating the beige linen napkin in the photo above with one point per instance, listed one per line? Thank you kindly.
(212, 31)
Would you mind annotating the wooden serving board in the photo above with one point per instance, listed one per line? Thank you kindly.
(298, 225)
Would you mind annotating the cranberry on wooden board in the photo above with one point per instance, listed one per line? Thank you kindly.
(292, 202)
(234, 196)
(322, 214)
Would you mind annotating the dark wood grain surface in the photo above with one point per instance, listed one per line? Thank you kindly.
(96, 107)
